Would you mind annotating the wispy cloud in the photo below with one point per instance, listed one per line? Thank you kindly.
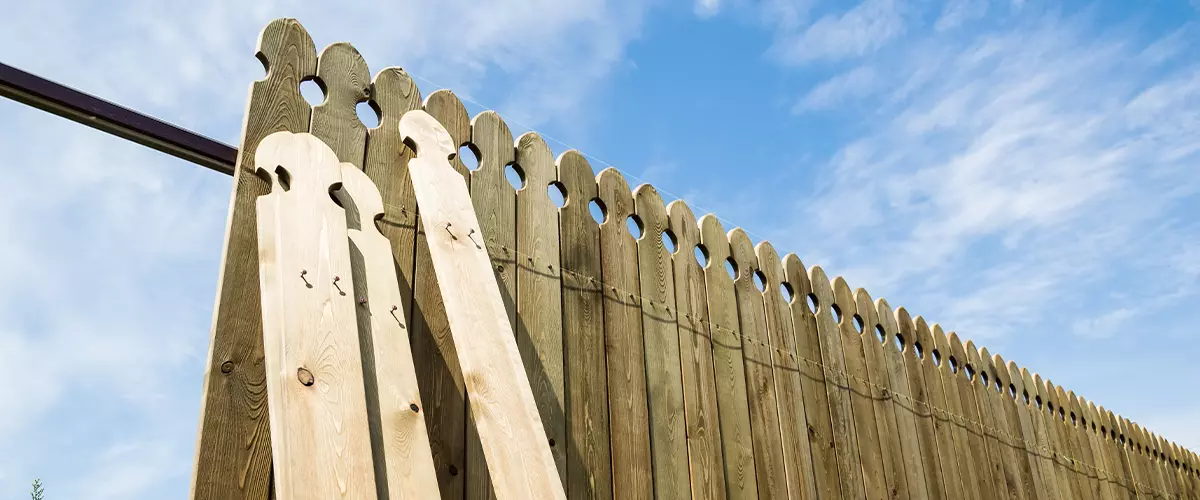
(861, 30)
(847, 86)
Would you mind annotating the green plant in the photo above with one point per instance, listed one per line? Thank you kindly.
(37, 492)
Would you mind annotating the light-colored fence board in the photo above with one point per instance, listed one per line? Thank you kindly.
(728, 363)
(760, 376)
(696, 358)
(504, 407)
(664, 377)
(629, 420)
(656, 375)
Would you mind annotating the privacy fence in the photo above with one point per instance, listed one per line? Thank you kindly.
(669, 357)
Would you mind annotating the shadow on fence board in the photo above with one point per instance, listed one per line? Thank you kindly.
(680, 362)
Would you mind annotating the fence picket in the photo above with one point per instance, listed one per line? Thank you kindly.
(927, 433)
(904, 403)
(629, 420)
(812, 377)
(939, 355)
(728, 364)
(947, 449)
(664, 378)
(876, 471)
(696, 358)
(233, 450)
(850, 463)
(789, 389)
(882, 394)
(589, 460)
(990, 481)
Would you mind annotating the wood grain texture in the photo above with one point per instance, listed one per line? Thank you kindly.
(628, 411)
(789, 387)
(664, 377)
(503, 406)
(495, 202)
(1050, 426)
(233, 450)
(926, 429)
(996, 420)
(402, 457)
(769, 466)
(696, 358)
(964, 456)
(812, 377)
(1014, 434)
(321, 444)
(876, 471)
(435, 353)
(881, 395)
(990, 480)
(850, 465)
(729, 365)
(346, 81)
(1075, 433)
(1110, 487)
(539, 291)
(589, 457)
(904, 405)
(1033, 432)
(946, 444)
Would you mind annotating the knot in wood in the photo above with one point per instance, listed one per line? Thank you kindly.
(227, 367)
(305, 377)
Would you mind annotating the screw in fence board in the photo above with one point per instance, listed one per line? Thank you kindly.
(589, 458)
(403, 459)
(881, 396)
(495, 203)
(664, 377)
(877, 472)
(729, 365)
(315, 388)
(505, 409)
(793, 416)
(947, 448)
(990, 479)
(904, 405)
(629, 420)
(233, 449)
(926, 425)
(850, 464)
(539, 293)
(964, 457)
(812, 377)
(438, 370)
(760, 379)
(696, 358)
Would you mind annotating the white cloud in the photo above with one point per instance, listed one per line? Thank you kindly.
(853, 84)
(1104, 325)
(859, 31)
(113, 248)
(707, 8)
(957, 12)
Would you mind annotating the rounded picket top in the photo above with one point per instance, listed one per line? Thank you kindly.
(614, 193)
(905, 331)
(576, 176)
(294, 168)
(771, 267)
(960, 355)
(360, 198)
(648, 205)
(870, 318)
(715, 241)
(421, 130)
(343, 75)
(843, 298)
(887, 320)
(395, 93)
(682, 223)
(444, 106)
(492, 142)
(797, 277)
(742, 251)
(938, 346)
(821, 287)
(536, 163)
(287, 52)
(923, 341)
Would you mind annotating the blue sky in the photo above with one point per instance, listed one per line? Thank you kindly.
(1022, 172)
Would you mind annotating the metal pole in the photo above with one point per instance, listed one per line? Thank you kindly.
(117, 120)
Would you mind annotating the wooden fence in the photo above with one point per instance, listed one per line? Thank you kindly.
(657, 373)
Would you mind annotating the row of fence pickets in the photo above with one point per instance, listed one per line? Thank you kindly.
(629, 321)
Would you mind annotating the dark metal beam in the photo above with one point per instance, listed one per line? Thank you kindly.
(99, 114)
